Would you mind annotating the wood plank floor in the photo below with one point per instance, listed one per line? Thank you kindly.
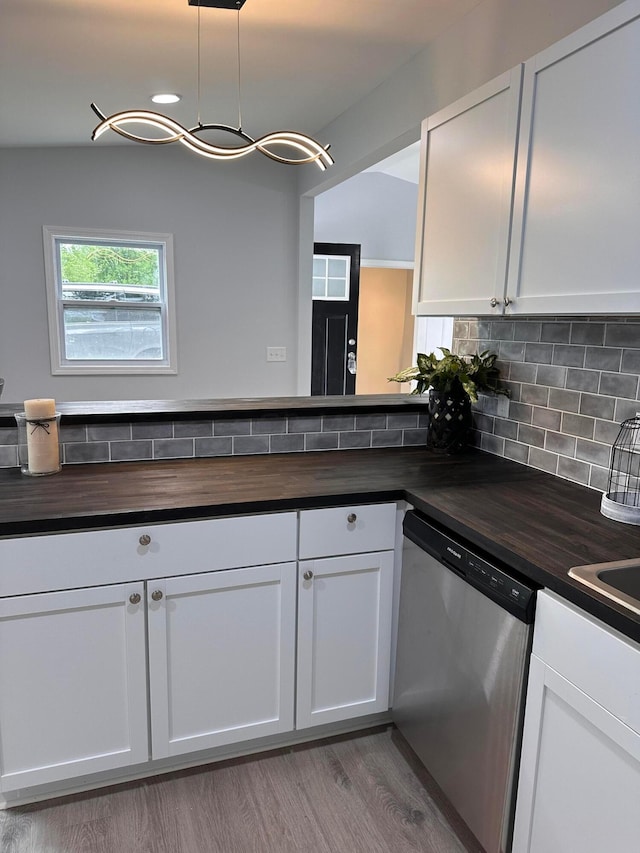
(355, 794)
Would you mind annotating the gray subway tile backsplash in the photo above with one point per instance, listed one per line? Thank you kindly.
(304, 424)
(109, 432)
(556, 333)
(544, 460)
(603, 358)
(371, 422)
(268, 426)
(292, 443)
(630, 361)
(586, 372)
(321, 441)
(127, 451)
(619, 385)
(192, 429)
(354, 439)
(173, 448)
(587, 333)
(245, 445)
(152, 430)
(569, 396)
(8, 456)
(221, 445)
(622, 335)
(95, 451)
(582, 380)
(405, 421)
(338, 423)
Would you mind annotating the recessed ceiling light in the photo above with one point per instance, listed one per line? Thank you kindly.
(166, 98)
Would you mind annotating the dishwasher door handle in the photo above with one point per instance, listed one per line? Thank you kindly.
(452, 566)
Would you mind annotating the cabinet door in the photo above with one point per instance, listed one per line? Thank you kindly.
(466, 191)
(344, 637)
(579, 785)
(73, 696)
(221, 657)
(575, 246)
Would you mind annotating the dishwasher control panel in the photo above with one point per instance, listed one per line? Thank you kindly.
(516, 597)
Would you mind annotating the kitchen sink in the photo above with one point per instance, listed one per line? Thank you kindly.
(619, 581)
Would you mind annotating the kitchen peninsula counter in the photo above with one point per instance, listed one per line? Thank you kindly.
(537, 524)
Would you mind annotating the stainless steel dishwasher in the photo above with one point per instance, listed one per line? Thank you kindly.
(463, 651)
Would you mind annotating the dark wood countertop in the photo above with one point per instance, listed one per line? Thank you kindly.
(536, 524)
(114, 411)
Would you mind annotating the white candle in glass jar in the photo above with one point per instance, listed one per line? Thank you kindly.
(42, 436)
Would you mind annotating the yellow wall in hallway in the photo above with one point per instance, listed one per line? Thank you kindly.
(385, 329)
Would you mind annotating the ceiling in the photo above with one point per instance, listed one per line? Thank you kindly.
(303, 63)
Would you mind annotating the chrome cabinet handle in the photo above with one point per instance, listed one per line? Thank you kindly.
(156, 595)
(352, 518)
(493, 302)
(507, 301)
(308, 575)
(145, 539)
(134, 598)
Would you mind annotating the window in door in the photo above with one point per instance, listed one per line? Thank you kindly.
(110, 301)
(331, 277)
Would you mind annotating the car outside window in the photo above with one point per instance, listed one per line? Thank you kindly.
(110, 300)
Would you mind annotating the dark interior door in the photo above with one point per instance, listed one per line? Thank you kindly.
(334, 329)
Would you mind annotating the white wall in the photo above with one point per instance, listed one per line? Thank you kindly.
(375, 210)
(235, 228)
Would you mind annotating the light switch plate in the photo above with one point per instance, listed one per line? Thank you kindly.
(276, 353)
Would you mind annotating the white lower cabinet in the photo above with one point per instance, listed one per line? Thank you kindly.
(73, 684)
(344, 637)
(579, 785)
(200, 655)
(221, 657)
(344, 612)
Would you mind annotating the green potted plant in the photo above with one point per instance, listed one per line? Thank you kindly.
(453, 382)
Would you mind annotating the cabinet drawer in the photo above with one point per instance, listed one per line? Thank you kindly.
(347, 530)
(600, 662)
(91, 558)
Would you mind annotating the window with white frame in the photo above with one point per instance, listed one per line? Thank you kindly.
(110, 301)
(331, 277)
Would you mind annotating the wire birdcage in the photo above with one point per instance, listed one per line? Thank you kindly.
(622, 499)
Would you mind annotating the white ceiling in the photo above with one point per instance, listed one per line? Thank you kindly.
(303, 62)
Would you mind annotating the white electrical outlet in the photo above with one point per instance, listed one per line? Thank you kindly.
(276, 353)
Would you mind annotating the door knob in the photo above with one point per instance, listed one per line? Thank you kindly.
(352, 518)
(493, 302)
(145, 539)
(134, 598)
(156, 595)
(507, 301)
(308, 575)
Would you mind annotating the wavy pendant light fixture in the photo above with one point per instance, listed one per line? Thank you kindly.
(271, 145)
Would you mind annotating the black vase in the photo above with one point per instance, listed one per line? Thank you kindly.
(449, 421)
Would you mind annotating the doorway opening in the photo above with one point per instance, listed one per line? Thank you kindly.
(334, 324)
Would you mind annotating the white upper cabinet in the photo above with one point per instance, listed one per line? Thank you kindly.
(467, 169)
(540, 218)
(575, 245)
